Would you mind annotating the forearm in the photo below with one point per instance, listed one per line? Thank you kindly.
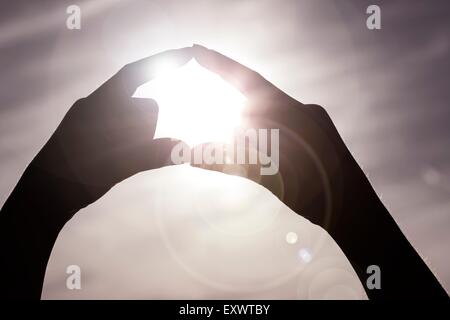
(25, 243)
(368, 235)
(30, 222)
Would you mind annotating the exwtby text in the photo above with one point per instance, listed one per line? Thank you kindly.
(227, 309)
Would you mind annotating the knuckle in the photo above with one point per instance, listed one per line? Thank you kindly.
(79, 103)
(318, 110)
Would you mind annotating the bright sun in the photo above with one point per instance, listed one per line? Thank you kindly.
(195, 105)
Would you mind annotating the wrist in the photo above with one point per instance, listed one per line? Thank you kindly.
(51, 199)
(368, 235)
(358, 213)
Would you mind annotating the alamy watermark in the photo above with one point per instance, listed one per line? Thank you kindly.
(73, 21)
(250, 146)
(373, 21)
(73, 281)
(374, 280)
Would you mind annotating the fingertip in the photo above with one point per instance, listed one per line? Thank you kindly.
(199, 46)
(199, 50)
(161, 152)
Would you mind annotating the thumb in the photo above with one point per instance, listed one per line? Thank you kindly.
(147, 156)
(231, 166)
(221, 157)
(166, 152)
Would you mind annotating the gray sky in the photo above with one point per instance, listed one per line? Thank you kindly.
(155, 235)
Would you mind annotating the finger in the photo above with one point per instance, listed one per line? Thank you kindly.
(210, 156)
(134, 74)
(219, 157)
(231, 166)
(247, 81)
(161, 152)
(145, 156)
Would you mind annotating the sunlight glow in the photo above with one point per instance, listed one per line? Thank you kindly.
(195, 105)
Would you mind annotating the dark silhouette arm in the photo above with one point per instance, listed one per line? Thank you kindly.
(103, 139)
(30, 222)
(319, 179)
(368, 235)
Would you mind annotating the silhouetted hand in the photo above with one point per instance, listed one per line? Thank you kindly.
(103, 139)
(312, 154)
(319, 179)
(108, 136)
